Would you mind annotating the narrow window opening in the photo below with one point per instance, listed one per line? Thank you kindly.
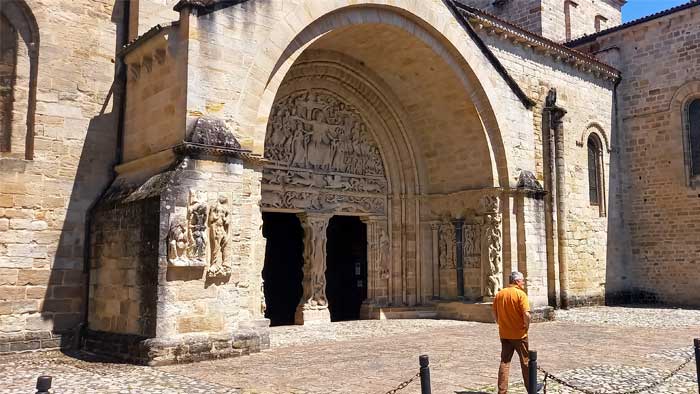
(594, 191)
(694, 134)
(8, 77)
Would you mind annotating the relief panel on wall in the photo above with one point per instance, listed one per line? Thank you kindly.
(322, 157)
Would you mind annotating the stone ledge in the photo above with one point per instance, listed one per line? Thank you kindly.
(35, 341)
(252, 338)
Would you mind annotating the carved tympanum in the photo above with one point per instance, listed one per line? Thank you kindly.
(323, 157)
(314, 130)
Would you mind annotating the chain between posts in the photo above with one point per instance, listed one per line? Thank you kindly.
(404, 384)
(670, 375)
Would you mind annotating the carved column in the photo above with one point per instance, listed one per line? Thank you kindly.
(378, 260)
(313, 306)
(492, 247)
(459, 257)
(435, 227)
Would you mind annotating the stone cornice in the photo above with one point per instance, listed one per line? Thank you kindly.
(492, 25)
(193, 149)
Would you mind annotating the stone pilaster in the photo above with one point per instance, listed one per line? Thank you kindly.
(313, 306)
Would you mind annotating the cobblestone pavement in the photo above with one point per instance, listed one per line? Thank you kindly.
(603, 349)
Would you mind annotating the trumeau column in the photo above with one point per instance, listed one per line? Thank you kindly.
(313, 306)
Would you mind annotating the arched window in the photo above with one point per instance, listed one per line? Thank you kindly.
(19, 65)
(595, 192)
(694, 136)
(8, 65)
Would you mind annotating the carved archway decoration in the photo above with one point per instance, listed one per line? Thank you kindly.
(322, 157)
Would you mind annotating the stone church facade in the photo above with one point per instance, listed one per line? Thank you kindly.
(177, 177)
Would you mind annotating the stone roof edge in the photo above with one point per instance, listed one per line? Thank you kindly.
(140, 40)
(520, 36)
(660, 14)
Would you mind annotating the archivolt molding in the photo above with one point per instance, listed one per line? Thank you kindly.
(356, 109)
(679, 121)
(594, 128)
(315, 18)
(684, 94)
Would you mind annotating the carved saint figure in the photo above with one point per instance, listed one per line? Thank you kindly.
(177, 242)
(472, 247)
(314, 286)
(447, 246)
(384, 254)
(197, 222)
(219, 219)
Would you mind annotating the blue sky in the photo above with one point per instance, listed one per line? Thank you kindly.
(635, 9)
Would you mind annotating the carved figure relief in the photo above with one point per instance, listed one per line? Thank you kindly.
(311, 201)
(471, 246)
(448, 259)
(323, 157)
(384, 254)
(314, 282)
(315, 130)
(492, 246)
(177, 243)
(219, 219)
(197, 225)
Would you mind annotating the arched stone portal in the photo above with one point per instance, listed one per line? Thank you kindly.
(372, 120)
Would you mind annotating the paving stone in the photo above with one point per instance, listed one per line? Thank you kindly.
(603, 349)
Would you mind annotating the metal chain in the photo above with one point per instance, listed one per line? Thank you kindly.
(671, 374)
(403, 385)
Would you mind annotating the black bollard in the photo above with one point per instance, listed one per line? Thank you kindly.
(532, 372)
(43, 384)
(697, 360)
(424, 374)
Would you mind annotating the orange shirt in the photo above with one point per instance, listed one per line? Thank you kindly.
(510, 305)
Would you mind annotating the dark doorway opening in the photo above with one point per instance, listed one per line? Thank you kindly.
(346, 267)
(282, 272)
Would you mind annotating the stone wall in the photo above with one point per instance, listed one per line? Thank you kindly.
(548, 18)
(156, 93)
(191, 301)
(588, 100)
(44, 201)
(661, 206)
(123, 269)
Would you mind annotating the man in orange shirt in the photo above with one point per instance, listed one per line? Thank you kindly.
(511, 310)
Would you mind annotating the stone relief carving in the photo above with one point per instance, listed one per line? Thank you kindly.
(447, 257)
(384, 254)
(219, 220)
(197, 213)
(323, 157)
(339, 182)
(187, 236)
(311, 201)
(315, 130)
(314, 282)
(471, 246)
(177, 243)
(492, 246)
